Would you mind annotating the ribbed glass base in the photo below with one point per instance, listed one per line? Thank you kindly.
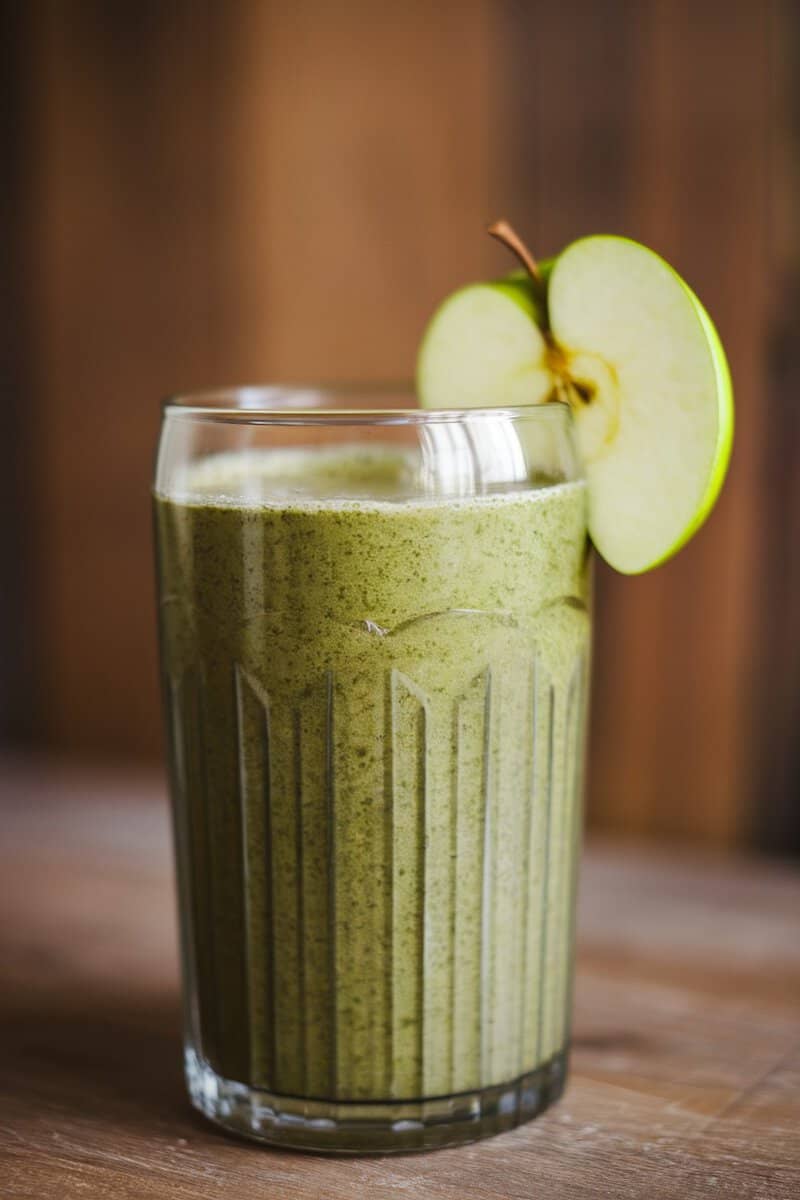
(370, 1127)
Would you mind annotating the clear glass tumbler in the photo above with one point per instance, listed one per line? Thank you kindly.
(375, 642)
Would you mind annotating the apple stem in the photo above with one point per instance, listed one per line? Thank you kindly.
(503, 232)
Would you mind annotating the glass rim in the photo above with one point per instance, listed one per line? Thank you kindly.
(316, 404)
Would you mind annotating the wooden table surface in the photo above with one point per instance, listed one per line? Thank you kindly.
(686, 1065)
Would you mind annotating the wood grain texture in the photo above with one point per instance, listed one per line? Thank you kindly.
(207, 193)
(359, 178)
(218, 195)
(122, 244)
(16, 627)
(686, 1064)
(655, 120)
(706, 210)
(776, 819)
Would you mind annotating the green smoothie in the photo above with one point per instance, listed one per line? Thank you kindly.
(377, 707)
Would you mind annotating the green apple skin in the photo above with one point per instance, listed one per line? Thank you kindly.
(521, 374)
(521, 275)
(701, 337)
(724, 447)
(520, 288)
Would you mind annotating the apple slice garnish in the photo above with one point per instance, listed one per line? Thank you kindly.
(611, 329)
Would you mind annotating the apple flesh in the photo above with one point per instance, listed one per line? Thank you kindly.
(627, 343)
(507, 368)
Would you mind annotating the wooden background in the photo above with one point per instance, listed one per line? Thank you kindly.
(203, 193)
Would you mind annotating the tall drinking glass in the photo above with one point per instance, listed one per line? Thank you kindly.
(375, 642)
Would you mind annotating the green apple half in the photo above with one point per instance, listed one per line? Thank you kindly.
(613, 330)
